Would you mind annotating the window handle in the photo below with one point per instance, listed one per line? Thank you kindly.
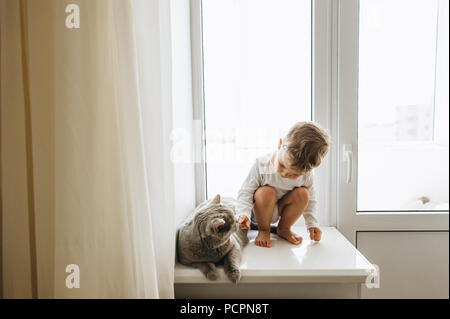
(348, 157)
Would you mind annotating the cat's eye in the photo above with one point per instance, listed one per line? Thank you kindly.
(223, 228)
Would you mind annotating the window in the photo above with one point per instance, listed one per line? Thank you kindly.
(392, 96)
(257, 82)
(373, 72)
(403, 105)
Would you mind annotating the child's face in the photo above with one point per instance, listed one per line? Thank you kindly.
(282, 164)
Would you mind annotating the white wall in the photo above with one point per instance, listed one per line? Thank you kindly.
(412, 264)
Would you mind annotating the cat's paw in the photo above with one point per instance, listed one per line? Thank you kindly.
(234, 275)
(212, 275)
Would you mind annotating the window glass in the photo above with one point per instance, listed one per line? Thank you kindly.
(403, 105)
(257, 82)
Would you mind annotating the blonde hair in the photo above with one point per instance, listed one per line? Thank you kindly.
(306, 144)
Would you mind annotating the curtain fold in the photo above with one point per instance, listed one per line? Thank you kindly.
(100, 117)
(28, 146)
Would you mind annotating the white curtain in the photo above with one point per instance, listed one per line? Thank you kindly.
(95, 185)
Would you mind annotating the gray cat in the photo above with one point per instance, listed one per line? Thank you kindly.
(211, 235)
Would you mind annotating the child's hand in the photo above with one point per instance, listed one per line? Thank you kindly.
(243, 222)
(315, 233)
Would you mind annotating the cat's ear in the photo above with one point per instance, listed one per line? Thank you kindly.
(216, 199)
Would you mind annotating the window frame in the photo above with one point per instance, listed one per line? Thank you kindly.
(349, 219)
(322, 90)
(198, 98)
(334, 106)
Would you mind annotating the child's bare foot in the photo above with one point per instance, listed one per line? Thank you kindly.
(263, 239)
(289, 236)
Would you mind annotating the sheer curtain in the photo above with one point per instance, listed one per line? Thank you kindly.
(85, 136)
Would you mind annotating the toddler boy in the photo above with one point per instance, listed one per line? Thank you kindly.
(280, 188)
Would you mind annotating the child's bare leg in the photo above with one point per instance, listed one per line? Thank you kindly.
(265, 200)
(291, 207)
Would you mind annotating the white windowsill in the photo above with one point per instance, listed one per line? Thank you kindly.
(332, 260)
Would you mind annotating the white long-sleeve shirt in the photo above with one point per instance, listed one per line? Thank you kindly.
(263, 173)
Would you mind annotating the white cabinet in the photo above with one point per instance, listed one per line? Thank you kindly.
(412, 264)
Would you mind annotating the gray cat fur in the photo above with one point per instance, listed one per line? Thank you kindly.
(211, 235)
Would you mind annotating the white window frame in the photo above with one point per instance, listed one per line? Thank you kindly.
(198, 97)
(334, 100)
(349, 220)
(324, 75)
(323, 89)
